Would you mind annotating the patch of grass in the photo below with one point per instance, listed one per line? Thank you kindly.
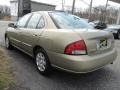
(6, 76)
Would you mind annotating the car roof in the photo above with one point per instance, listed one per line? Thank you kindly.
(47, 11)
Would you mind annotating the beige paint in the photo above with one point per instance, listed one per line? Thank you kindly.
(54, 41)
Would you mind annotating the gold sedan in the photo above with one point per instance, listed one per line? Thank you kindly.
(61, 40)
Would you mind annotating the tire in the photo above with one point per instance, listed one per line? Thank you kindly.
(7, 43)
(42, 62)
(118, 35)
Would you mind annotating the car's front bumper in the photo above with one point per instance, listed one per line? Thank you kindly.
(83, 63)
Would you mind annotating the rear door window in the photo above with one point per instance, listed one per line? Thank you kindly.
(34, 21)
(41, 23)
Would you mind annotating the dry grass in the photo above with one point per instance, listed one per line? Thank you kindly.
(6, 76)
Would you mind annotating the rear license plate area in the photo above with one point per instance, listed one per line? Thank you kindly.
(103, 44)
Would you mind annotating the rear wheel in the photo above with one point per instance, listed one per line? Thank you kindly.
(7, 43)
(118, 35)
(42, 61)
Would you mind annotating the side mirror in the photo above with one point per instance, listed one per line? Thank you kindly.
(12, 25)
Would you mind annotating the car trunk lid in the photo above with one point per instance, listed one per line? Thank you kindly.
(96, 41)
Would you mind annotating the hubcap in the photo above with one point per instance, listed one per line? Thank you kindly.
(7, 42)
(41, 61)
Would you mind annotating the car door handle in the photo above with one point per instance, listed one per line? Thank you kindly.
(35, 35)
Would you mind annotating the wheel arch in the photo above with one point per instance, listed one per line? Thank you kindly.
(36, 48)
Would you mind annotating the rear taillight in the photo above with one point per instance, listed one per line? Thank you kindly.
(76, 48)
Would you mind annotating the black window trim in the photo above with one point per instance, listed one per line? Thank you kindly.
(39, 21)
(54, 21)
(28, 21)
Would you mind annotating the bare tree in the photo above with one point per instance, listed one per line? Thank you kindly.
(4, 11)
(100, 13)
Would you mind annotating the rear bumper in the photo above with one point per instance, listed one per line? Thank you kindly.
(83, 63)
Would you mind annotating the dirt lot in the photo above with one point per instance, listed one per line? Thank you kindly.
(6, 75)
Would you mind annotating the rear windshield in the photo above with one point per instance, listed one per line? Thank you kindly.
(67, 21)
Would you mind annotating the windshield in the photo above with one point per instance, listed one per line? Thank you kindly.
(68, 21)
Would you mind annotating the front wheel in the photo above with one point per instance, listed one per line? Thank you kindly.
(42, 62)
(7, 43)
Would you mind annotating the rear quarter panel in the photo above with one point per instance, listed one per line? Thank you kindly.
(56, 40)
